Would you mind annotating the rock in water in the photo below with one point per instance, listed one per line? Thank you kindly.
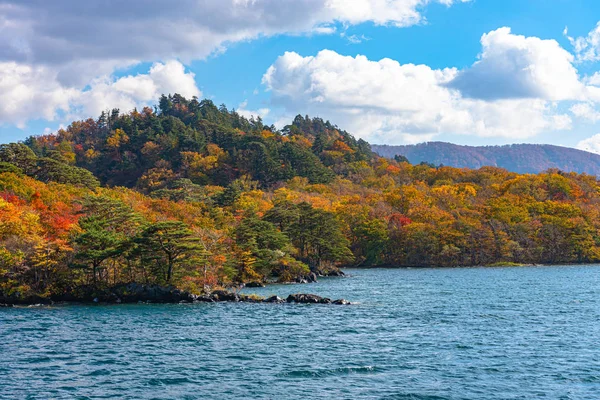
(307, 299)
(254, 284)
(223, 295)
(274, 299)
(342, 302)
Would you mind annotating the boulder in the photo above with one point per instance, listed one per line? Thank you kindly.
(223, 295)
(250, 299)
(329, 271)
(274, 299)
(254, 284)
(134, 292)
(334, 272)
(307, 299)
(342, 302)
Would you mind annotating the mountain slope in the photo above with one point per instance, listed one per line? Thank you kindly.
(521, 158)
(196, 196)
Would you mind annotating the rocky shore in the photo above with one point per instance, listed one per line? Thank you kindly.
(140, 293)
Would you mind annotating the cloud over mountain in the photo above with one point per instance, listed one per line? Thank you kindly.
(388, 102)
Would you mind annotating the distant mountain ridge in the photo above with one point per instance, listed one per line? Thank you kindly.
(521, 158)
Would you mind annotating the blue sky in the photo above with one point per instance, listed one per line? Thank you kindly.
(469, 72)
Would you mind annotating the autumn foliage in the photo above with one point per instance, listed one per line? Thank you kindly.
(198, 196)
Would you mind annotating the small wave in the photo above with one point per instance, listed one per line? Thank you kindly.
(463, 347)
(37, 360)
(239, 357)
(316, 373)
(99, 372)
(168, 381)
(414, 396)
(110, 361)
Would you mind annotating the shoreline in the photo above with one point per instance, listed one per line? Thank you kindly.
(135, 293)
(500, 265)
(153, 294)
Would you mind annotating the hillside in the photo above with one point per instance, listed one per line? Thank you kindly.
(521, 158)
(197, 196)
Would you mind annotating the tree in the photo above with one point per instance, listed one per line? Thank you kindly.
(262, 239)
(400, 158)
(170, 244)
(107, 226)
(95, 245)
(371, 239)
(51, 170)
(20, 156)
(315, 233)
(8, 167)
(304, 163)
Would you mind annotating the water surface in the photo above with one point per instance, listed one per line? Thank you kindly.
(473, 333)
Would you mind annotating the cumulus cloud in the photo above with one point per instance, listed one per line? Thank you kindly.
(514, 66)
(51, 50)
(591, 144)
(387, 102)
(243, 111)
(59, 30)
(593, 80)
(30, 93)
(585, 111)
(587, 48)
(37, 93)
(133, 91)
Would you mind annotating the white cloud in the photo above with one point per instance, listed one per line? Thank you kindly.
(399, 13)
(585, 111)
(51, 50)
(387, 102)
(243, 111)
(37, 93)
(133, 91)
(593, 80)
(586, 48)
(39, 31)
(30, 93)
(356, 39)
(514, 66)
(591, 144)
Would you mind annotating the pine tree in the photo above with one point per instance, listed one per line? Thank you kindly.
(170, 244)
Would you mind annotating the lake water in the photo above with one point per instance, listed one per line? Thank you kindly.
(473, 333)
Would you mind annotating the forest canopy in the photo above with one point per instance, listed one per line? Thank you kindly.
(197, 196)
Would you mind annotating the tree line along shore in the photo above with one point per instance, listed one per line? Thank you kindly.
(197, 197)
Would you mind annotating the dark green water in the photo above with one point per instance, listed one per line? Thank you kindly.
(479, 333)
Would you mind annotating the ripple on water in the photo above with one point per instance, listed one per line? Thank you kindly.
(169, 381)
(411, 334)
(414, 396)
(316, 373)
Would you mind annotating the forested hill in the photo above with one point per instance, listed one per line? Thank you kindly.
(196, 196)
(521, 158)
